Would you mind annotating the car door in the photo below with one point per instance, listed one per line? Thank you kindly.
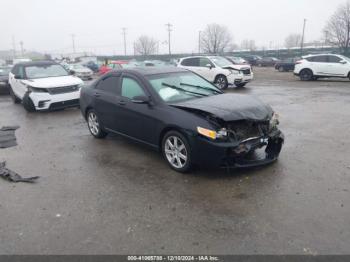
(136, 120)
(337, 66)
(319, 65)
(15, 77)
(107, 98)
(207, 69)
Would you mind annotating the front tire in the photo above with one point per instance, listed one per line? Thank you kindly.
(94, 125)
(177, 152)
(221, 82)
(281, 69)
(306, 75)
(28, 103)
(14, 98)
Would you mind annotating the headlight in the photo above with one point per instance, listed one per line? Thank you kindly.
(274, 121)
(37, 90)
(235, 72)
(222, 133)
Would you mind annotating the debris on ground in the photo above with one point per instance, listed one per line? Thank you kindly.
(13, 176)
(7, 136)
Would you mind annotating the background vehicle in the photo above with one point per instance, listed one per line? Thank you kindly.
(4, 79)
(286, 64)
(267, 61)
(312, 67)
(236, 60)
(44, 85)
(251, 59)
(92, 66)
(112, 65)
(216, 69)
(81, 71)
(182, 115)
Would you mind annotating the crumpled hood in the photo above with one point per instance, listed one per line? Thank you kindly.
(230, 107)
(53, 81)
(237, 67)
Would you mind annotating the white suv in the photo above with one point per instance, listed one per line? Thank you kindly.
(218, 70)
(312, 67)
(44, 85)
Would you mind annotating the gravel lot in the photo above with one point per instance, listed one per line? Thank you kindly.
(116, 197)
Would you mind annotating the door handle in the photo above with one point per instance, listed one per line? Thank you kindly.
(122, 103)
(97, 94)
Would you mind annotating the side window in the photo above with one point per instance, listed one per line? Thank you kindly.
(15, 70)
(21, 71)
(333, 59)
(131, 88)
(190, 62)
(320, 59)
(109, 85)
(204, 61)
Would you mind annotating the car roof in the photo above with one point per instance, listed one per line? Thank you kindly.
(37, 63)
(146, 71)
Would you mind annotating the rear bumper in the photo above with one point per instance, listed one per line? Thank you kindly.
(238, 155)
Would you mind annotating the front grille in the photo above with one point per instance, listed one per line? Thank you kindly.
(63, 89)
(246, 71)
(64, 104)
(247, 129)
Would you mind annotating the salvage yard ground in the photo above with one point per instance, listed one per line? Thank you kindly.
(115, 197)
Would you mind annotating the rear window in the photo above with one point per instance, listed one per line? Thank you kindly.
(190, 61)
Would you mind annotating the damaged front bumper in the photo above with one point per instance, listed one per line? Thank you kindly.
(252, 152)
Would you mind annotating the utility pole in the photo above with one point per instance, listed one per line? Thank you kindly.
(14, 46)
(124, 35)
(169, 26)
(73, 42)
(199, 42)
(22, 50)
(302, 38)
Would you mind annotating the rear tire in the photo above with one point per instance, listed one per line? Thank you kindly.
(15, 99)
(176, 151)
(281, 69)
(94, 125)
(221, 82)
(306, 75)
(28, 103)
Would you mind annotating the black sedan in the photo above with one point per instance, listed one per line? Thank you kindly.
(4, 79)
(183, 116)
(286, 64)
(267, 61)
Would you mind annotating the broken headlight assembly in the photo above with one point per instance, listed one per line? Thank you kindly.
(212, 134)
(36, 90)
(274, 121)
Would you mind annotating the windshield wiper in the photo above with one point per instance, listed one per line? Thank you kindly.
(183, 90)
(203, 87)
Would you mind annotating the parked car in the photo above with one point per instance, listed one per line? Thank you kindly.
(267, 61)
(111, 66)
(312, 67)
(81, 71)
(4, 79)
(216, 69)
(251, 59)
(184, 116)
(286, 64)
(44, 85)
(92, 66)
(236, 60)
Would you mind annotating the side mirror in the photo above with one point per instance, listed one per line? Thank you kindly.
(141, 100)
(71, 72)
(209, 66)
(17, 76)
(342, 62)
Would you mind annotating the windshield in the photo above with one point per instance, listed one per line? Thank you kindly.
(345, 58)
(220, 61)
(43, 71)
(175, 87)
(4, 71)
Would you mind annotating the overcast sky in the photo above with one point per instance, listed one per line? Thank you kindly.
(47, 25)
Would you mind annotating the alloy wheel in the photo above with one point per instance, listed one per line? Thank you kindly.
(175, 152)
(220, 82)
(94, 126)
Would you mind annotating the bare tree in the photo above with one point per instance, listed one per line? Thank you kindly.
(248, 45)
(292, 40)
(145, 45)
(216, 39)
(337, 29)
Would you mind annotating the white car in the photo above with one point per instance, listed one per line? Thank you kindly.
(218, 70)
(312, 67)
(44, 85)
(81, 71)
